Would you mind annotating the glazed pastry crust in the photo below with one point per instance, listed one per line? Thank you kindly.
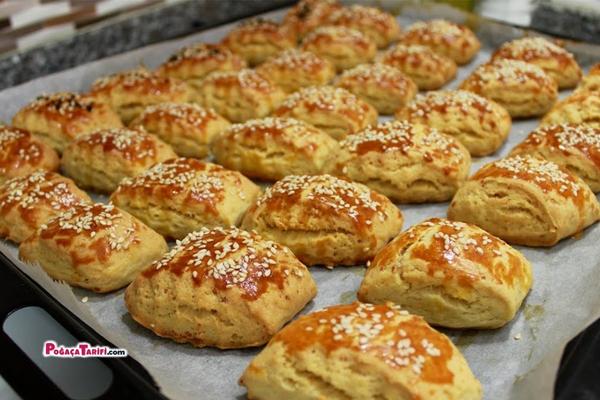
(523, 89)
(526, 200)
(188, 128)
(481, 125)
(379, 26)
(325, 220)
(574, 147)
(360, 351)
(195, 62)
(453, 274)
(408, 163)
(21, 153)
(451, 40)
(591, 82)
(307, 15)
(581, 107)
(344, 47)
(384, 87)
(295, 69)
(553, 59)
(101, 160)
(258, 39)
(426, 68)
(129, 92)
(183, 195)
(272, 148)
(222, 288)
(93, 246)
(58, 118)
(332, 110)
(240, 95)
(28, 201)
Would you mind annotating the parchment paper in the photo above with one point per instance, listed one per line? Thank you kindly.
(518, 361)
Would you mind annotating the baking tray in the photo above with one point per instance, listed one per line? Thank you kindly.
(519, 361)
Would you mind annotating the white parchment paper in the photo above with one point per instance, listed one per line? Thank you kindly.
(563, 301)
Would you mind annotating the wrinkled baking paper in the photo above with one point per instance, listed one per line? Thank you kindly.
(518, 361)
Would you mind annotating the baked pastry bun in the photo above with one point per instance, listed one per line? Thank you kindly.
(93, 246)
(306, 15)
(590, 82)
(453, 274)
(240, 95)
(526, 200)
(223, 288)
(129, 92)
(343, 47)
(295, 69)
(360, 351)
(188, 128)
(384, 87)
(272, 148)
(428, 69)
(257, 39)
(325, 220)
(407, 163)
(574, 147)
(455, 41)
(332, 110)
(21, 153)
(100, 160)
(523, 89)
(379, 26)
(193, 63)
(553, 59)
(59, 118)
(579, 108)
(480, 124)
(182, 195)
(28, 201)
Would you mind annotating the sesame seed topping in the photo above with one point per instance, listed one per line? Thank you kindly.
(443, 100)
(381, 74)
(326, 98)
(288, 131)
(361, 15)
(568, 137)
(201, 52)
(189, 113)
(17, 146)
(245, 78)
(436, 27)
(510, 71)
(339, 34)
(296, 59)
(63, 103)
(531, 48)
(130, 143)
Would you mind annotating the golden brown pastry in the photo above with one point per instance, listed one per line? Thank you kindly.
(295, 69)
(553, 59)
(332, 110)
(29, 201)
(426, 68)
(182, 195)
(581, 107)
(574, 147)
(381, 27)
(407, 163)
(384, 87)
(360, 351)
(343, 47)
(100, 160)
(223, 288)
(21, 153)
(129, 92)
(451, 40)
(526, 200)
(325, 220)
(193, 63)
(93, 246)
(272, 148)
(481, 125)
(453, 274)
(590, 82)
(306, 15)
(188, 128)
(240, 95)
(257, 39)
(59, 118)
(523, 89)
